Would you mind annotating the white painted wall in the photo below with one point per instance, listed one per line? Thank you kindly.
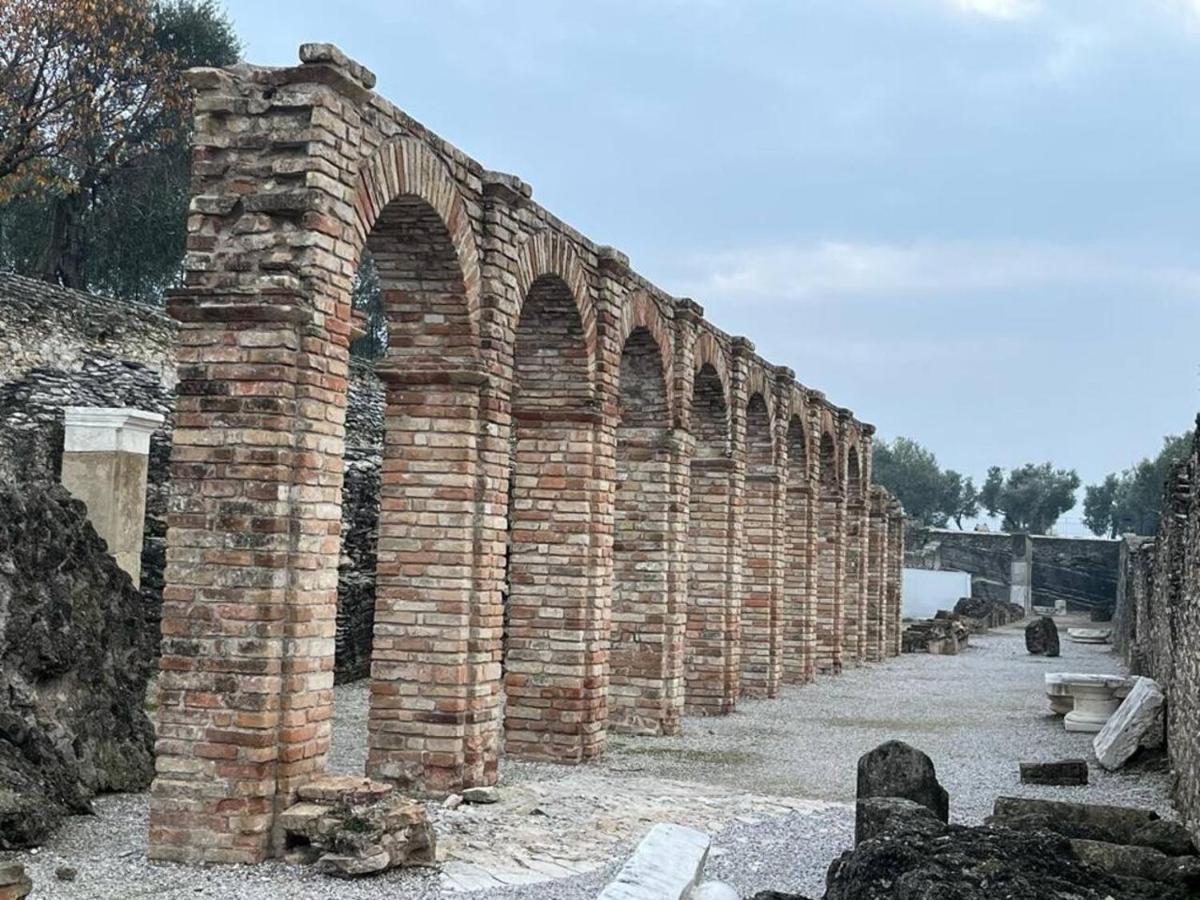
(926, 592)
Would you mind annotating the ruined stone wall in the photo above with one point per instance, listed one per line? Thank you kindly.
(1158, 624)
(45, 326)
(1082, 572)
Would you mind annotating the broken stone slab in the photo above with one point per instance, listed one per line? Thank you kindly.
(895, 769)
(1041, 637)
(1088, 821)
(1171, 838)
(14, 882)
(1139, 862)
(1124, 731)
(666, 865)
(1089, 635)
(344, 789)
(878, 816)
(715, 890)
(1060, 772)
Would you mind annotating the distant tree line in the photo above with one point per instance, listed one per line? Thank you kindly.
(1030, 498)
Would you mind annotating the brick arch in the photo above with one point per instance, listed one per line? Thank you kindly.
(640, 311)
(405, 167)
(830, 458)
(760, 441)
(798, 447)
(548, 254)
(707, 352)
(855, 467)
(758, 382)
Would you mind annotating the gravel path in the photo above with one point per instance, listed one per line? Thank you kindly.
(977, 714)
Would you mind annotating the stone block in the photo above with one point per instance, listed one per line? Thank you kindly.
(1137, 717)
(1041, 637)
(894, 769)
(1139, 862)
(666, 865)
(1062, 772)
(1089, 821)
(14, 882)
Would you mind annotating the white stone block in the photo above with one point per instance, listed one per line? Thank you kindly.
(666, 865)
(1138, 714)
(101, 429)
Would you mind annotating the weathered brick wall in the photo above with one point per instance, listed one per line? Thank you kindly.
(1158, 623)
(533, 583)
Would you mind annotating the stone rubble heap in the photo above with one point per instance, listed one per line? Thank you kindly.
(944, 635)
(352, 826)
(982, 613)
(1027, 850)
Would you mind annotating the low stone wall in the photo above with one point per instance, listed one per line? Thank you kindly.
(1081, 572)
(1158, 624)
(60, 347)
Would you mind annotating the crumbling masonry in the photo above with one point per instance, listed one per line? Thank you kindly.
(597, 510)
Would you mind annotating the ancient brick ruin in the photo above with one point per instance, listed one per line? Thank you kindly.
(597, 510)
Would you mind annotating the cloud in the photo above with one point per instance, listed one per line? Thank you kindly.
(831, 271)
(998, 9)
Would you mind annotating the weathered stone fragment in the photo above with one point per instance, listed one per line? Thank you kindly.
(480, 795)
(666, 865)
(14, 882)
(1139, 862)
(1062, 772)
(1041, 637)
(876, 816)
(894, 769)
(1138, 716)
(1089, 821)
(1171, 838)
(981, 863)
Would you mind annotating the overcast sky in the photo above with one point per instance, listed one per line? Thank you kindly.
(974, 222)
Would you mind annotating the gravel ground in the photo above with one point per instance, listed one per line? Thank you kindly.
(977, 715)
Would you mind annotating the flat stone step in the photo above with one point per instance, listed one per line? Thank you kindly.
(344, 789)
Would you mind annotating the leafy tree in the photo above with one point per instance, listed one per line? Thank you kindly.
(960, 499)
(99, 199)
(1131, 501)
(366, 296)
(929, 495)
(1030, 499)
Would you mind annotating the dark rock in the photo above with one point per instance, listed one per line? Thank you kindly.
(65, 873)
(1171, 838)
(75, 660)
(894, 769)
(1139, 862)
(1063, 772)
(1089, 821)
(893, 815)
(1041, 637)
(980, 864)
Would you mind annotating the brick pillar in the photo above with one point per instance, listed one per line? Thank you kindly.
(877, 561)
(799, 563)
(831, 551)
(760, 651)
(245, 692)
(895, 532)
(427, 705)
(104, 464)
(854, 576)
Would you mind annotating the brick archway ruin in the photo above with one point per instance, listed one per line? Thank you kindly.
(597, 509)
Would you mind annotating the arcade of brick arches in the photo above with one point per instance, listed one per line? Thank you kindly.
(598, 512)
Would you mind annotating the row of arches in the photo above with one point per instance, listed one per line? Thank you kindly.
(595, 511)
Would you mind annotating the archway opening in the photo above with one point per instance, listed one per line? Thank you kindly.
(550, 705)
(759, 613)
(799, 585)
(710, 670)
(644, 698)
